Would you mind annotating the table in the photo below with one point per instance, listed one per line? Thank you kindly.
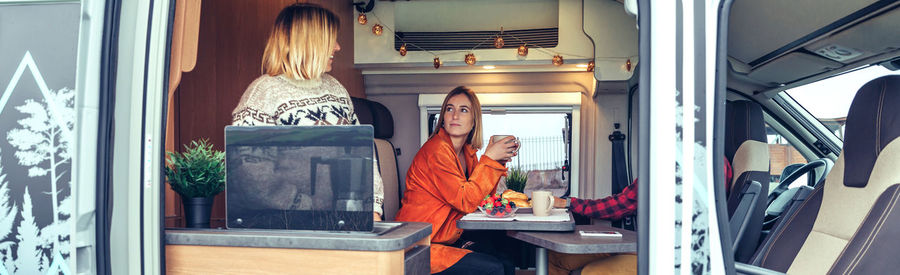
(574, 243)
(524, 221)
(392, 249)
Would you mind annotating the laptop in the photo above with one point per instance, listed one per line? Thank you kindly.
(299, 177)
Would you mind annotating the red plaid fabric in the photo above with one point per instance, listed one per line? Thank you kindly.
(610, 208)
(617, 206)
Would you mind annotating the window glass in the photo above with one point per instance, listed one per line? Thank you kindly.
(829, 100)
(783, 158)
(541, 136)
(544, 153)
(38, 107)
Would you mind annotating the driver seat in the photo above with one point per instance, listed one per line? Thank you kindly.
(847, 224)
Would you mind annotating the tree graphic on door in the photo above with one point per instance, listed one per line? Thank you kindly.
(30, 241)
(41, 137)
(8, 212)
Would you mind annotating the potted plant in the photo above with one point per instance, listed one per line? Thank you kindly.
(516, 179)
(197, 174)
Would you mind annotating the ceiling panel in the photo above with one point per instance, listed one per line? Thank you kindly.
(758, 27)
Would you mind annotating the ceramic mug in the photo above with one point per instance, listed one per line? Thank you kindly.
(541, 202)
(497, 138)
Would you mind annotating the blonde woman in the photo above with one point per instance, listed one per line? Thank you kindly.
(295, 88)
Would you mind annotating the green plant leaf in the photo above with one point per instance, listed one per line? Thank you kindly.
(199, 171)
(516, 179)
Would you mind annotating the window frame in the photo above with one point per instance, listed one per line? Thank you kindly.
(569, 102)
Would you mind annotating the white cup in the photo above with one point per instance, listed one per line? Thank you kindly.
(541, 202)
(497, 138)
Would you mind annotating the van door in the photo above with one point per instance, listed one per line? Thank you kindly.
(49, 136)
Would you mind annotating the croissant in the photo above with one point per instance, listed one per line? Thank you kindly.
(510, 194)
(520, 202)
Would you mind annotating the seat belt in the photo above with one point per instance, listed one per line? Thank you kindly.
(620, 174)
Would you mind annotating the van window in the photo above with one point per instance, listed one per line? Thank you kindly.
(829, 100)
(541, 136)
(545, 141)
(38, 106)
(783, 158)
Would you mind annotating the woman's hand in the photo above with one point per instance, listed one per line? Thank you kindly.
(501, 150)
(376, 217)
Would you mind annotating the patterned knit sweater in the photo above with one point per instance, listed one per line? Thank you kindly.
(281, 100)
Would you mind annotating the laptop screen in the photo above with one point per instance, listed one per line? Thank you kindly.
(299, 177)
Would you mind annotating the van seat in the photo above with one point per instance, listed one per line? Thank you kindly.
(377, 115)
(846, 224)
(747, 150)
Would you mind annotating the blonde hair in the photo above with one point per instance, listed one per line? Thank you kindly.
(301, 42)
(475, 138)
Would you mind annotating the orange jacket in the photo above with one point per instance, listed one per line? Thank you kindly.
(438, 192)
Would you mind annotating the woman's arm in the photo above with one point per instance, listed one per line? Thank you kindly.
(613, 207)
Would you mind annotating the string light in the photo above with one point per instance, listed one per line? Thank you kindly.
(362, 19)
(470, 59)
(523, 50)
(498, 42)
(557, 60)
(377, 29)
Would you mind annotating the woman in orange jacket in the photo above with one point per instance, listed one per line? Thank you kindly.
(447, 181)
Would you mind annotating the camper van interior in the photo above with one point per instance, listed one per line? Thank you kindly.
(763, 134)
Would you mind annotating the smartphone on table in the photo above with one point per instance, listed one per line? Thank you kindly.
(600, 233)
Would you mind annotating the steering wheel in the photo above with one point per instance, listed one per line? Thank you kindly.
(812, 180)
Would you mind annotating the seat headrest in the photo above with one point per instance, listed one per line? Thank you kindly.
(872, 122)
(744, 121)
(376, 114)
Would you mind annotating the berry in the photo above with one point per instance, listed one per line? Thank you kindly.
(512, 204)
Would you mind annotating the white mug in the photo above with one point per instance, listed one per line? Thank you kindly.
(497, 138)
(541, 202)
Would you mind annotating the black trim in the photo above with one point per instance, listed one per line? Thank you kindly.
(144, 127)
(628, 142)
(719, 136)
(643, 217)
(821, 31)
(109, 57)
(162, 140)
(809, 127)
